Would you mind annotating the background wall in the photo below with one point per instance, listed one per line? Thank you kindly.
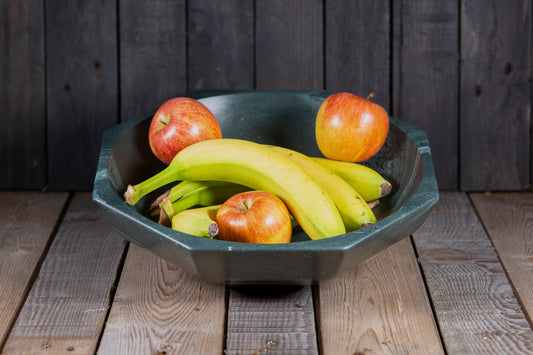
(460, 70)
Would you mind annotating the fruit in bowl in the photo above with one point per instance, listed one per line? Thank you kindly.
(404, 160)
(178, 123)
(254, 217)
(350, 128)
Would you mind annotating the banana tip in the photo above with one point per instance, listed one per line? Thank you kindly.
(386, 188)
(213, 230)
(129, 194)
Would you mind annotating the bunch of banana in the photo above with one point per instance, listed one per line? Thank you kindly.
(353, 209)
(258, 167)
(325, 197)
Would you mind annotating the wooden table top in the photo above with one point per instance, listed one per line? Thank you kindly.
(462, 284)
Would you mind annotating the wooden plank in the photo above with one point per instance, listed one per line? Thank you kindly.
(160, 309)
(380, 307)
(427, 92)
(153, 59)
(220, 44)
(289, 44)
(357, 48)
(271, 319)
(67, 305)
(28, 220)
(508, 220)
(82, 95)
(473, 300)
(22, 95)
(495, 94)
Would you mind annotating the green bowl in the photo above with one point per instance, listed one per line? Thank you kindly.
(284, 118)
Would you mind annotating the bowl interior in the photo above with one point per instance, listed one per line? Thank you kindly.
(285, 120)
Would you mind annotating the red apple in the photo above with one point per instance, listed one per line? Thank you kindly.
(350, 128)
(178, 123)
(254, 217)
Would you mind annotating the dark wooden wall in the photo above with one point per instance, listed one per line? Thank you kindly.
(461, 70)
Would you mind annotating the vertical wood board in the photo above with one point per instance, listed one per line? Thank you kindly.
(495, 95)
(426, 94)
(153, 54)
(289, 44)
(22, 95)
(81, 88)
(357, 48)
(220, 45)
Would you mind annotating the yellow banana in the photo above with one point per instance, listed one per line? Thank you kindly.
(354, 211)
(257, 166)
(201, 221)
(368, 182)
(197, 221)
(207, 194)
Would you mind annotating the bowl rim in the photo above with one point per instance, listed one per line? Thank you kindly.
(425, 197)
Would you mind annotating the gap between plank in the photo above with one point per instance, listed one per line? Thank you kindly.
(39, 264)
(430, 298)
(112, 292)
(504, 267)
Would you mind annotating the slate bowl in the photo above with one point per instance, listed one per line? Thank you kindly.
(284, 118)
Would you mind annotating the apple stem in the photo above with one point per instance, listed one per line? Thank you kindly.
(370, 95)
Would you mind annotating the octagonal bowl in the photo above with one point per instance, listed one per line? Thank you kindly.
(284, 118)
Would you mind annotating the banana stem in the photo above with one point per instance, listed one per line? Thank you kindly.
(386, 188)
(134, 193)
(166, 213)
(170, 208)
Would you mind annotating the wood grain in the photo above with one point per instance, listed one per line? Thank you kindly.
(160, 309)
(289, 44)
(66, 307)
(22, 95)
(427, 90)
(28, 220)
(81, 88)
(357, 48)
(220, 45)
(495, 92)
(508, 220)
(381, 307)
(474, 303)
(271, 319)
(153, 54)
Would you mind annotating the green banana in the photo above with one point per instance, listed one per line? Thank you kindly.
(257, 166)
(197, 221)
(354, 211)
(181, 189)
(208, 193)
(368, 182)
